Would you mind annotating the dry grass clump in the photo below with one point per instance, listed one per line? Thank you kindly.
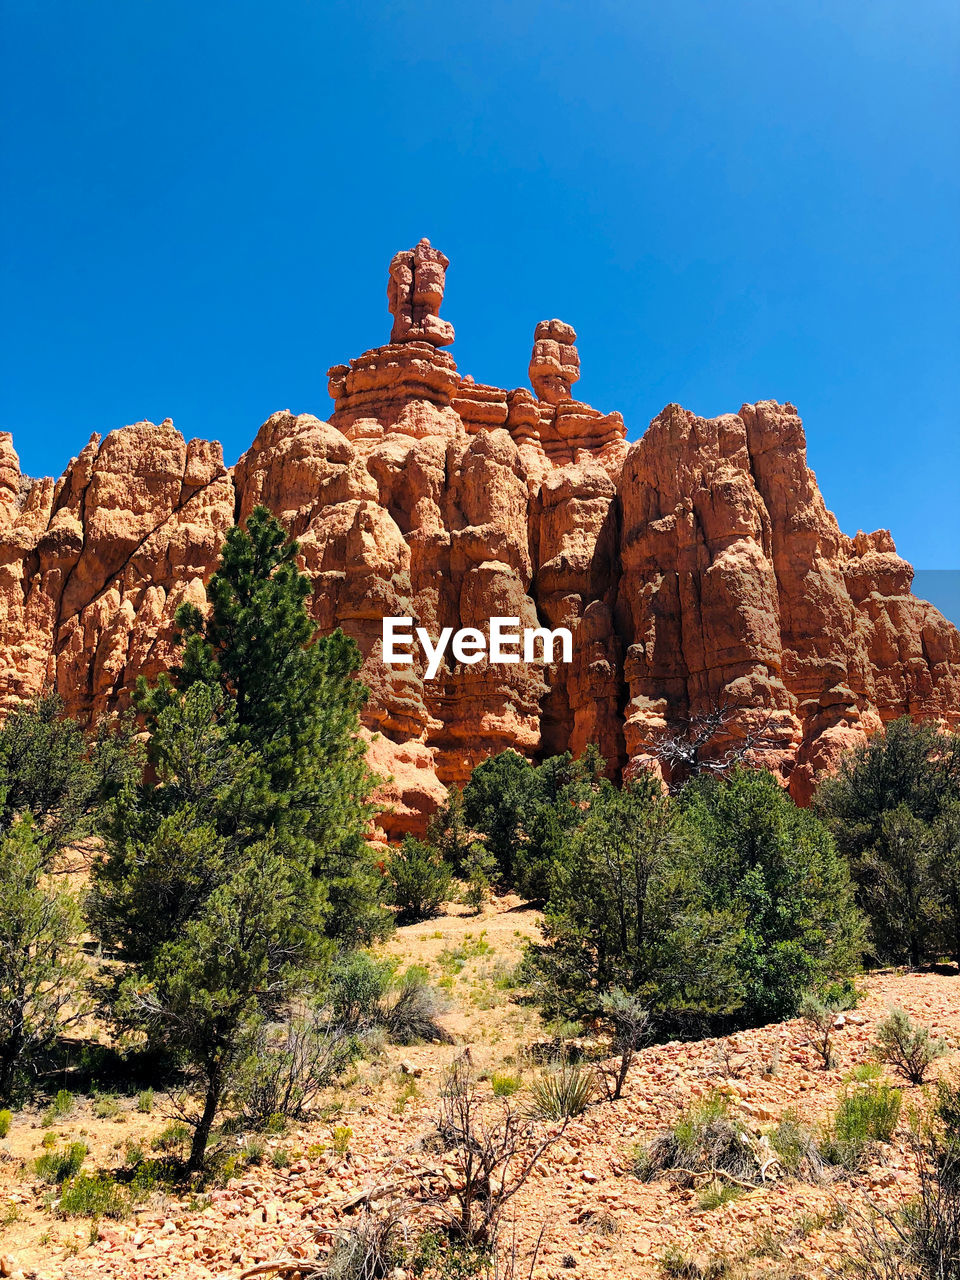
(707, 1145)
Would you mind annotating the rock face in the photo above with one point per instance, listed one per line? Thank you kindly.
(697, 567)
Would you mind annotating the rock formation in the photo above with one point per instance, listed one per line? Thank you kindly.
(414, 293)
(698, 566)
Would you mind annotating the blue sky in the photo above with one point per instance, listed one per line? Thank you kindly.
(730, 201)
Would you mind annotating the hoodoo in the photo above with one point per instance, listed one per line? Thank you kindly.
(697, 566)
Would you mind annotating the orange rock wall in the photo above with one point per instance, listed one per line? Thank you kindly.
(697, 565)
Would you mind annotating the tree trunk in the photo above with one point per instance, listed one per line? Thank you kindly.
(9, 1054)
(626, 1057)
(201, 1135)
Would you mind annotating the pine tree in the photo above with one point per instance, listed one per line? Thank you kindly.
(219, 924)
(206, 992)
(51, 772)
(526, 814)
(230, 876)
(496, 801)
(914, 765)
(449, 832)
(777, 867)
(945, 868)
(627, 912)
(51, 778)
(882, 808)
(899, 890)
(296, 704)
(41, 964)
(563, 789)
(419, 879)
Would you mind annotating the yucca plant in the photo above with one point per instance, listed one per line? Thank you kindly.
(558, 1095)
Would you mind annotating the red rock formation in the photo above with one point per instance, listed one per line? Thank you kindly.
(555, 362)
(414, 292)
(696, 566)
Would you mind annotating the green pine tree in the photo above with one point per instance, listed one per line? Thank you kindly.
(296, 704)
(496, 801)
(627, 912)
(526, 814)
(231, 875)
(449, 832)
(899, 890)
(945, 869)
(419, 880)
(41, 964)
(909, 764)
(220, 925)
(51, 779)
(777, 867)
(882, 808)
(50, 771)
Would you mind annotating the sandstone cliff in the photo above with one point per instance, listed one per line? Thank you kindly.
(696, 567)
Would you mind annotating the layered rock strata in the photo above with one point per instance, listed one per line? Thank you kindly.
(696, 567)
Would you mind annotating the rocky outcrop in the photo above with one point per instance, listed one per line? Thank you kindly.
(697, 567)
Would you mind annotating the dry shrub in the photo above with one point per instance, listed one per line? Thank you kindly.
(488, 1154)
(707, 1143)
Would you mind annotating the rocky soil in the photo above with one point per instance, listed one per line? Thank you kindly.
(597, 1217)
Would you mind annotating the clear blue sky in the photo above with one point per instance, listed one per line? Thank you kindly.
(729, 200)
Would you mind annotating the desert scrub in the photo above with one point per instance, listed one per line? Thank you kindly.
(373, 1244)
(253, 1150)
(865, 1116)
(826, 1220)
(6, 1119)
(93, 1196)
(863, 1073)
(133, 1152)
(484, 995)
(145, 1102)
(367, 995)
(705, 1144)
(409, 1014)
(453, 959)
(507, 977)
(921, 1239)
(341, 1139)
(106, 1106)
(819, 1019)
(56, 1166)
(843, 994)
(558, 1095)
(419, 880)
(172, 1138)
(677, 1265)
(907, 1046)
(718, 1193)
(796, 1148)
(406, 1093)
(505, 1085)
(59, 1109)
